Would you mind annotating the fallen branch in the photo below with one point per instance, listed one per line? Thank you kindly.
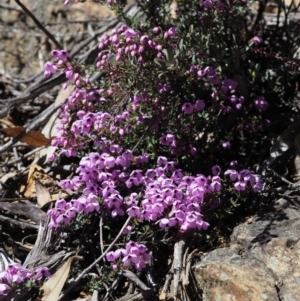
(178, 258)
(136, 280)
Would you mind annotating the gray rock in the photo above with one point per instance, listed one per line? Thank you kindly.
(262, 262)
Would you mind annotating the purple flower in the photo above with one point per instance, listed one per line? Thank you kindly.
(162, 161)
(214, 79)
(16, 273)
(233, 163)
(156, 30)
(261, 104)
(200, 73)
(49, 69)
(130, 258)
(228, 84)
(135, 178)
(210, 71)
(221, 6)
(120, 252)
(124, 162)
(55, 53)
(240, 186)
(233, 174)
(193, 150)
(207, 4)
(187, 107)
(62, 54)
(61, 204)
(216, 170)
(199, 105)
(69, 73)
(134, 211)
(110, 256)
(172, 31)
(226, 145)
(163, 223)
(257, 40)
(238, 106)
(128, 229)
(109, 161)
(215, 186)
(42, 273)
(234, 99)
(63, 218)
(128, 33)
(193, 68)
(3, 288)
(140, 265)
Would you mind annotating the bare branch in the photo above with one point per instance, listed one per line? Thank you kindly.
(39, 24)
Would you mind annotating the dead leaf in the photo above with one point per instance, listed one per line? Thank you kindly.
(34, 138)
(53, 287)
(37, 172)
(30, 179)
(30, 211)
(42, 194)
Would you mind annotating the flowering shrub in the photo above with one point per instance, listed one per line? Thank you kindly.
(178, 101)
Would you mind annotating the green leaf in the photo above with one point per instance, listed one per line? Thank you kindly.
(181, 45)
(160, 63)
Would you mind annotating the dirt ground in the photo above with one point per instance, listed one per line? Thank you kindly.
(24, 48)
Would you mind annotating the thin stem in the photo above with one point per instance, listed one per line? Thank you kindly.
(39, 24)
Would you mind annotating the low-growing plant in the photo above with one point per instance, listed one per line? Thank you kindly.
(170, 100)
(168, 137)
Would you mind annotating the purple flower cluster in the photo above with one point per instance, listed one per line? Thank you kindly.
(51, 68)
(124, 42)
(16, 274)
(260, 103)
(169, 140)
(223, 88)
(189, 108)
(98, 177)
(64, 211)
(210, 74)
(174, 200)
(243, 178)
(164, 194)
(169, 197)
(134, 254)
(237, 101)
(87, 124)
(66, 65)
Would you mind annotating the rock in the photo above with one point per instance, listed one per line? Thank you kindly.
(262, 262)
